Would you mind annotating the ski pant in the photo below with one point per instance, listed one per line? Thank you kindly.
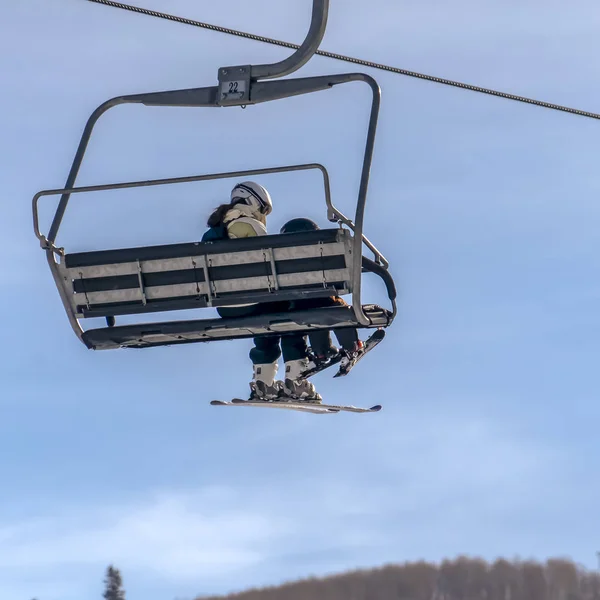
(267, 349)
(293, 346)
(320, 341)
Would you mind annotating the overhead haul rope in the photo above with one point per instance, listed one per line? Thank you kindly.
(357, 61)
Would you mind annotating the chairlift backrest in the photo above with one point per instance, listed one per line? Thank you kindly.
(203, 274)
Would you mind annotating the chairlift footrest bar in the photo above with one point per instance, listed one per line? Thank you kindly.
(180, 332)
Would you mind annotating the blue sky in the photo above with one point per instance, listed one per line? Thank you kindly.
(488, 211)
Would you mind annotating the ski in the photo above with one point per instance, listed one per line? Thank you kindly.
(299, 406)
(369, 345)
(321, 366)
(352, 408)
(316, 409)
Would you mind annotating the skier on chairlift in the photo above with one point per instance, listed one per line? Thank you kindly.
(245, 216)
(320, 341)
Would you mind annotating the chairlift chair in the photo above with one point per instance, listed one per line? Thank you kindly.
(294, 266)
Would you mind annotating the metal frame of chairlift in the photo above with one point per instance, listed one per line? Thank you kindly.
(239, 85)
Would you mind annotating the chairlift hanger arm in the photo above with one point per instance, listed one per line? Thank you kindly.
(304, 53)
(266, 91)
(237, 84)
(362, 197)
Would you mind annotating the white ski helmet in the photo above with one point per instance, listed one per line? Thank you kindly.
(254, 195)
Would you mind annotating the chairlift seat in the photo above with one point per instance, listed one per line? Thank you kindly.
(273, 268)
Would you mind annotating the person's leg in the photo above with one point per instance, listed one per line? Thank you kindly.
(264, 357)
(266, 350)
(322, 345)
(320, 340)
(347, 338)
(352, 345)
(295, 356)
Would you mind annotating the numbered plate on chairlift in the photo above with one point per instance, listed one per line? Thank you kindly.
(233, 90)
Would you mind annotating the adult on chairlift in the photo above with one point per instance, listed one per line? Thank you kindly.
(246, 216)
(320, 341)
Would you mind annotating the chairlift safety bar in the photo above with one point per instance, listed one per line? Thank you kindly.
(334, 215)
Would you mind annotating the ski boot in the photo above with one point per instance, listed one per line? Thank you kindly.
(319, 362)
(263, 386)
(295, 386)
(330, 354)
(349, 357)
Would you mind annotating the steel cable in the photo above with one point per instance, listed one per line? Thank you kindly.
(356, 61)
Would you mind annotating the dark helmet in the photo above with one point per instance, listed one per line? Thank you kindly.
(297, 225)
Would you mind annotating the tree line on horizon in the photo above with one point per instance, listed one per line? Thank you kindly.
(462, 578)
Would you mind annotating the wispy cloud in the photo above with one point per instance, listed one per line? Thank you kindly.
(179, 535)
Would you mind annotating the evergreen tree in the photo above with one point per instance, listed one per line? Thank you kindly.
(114, 585)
